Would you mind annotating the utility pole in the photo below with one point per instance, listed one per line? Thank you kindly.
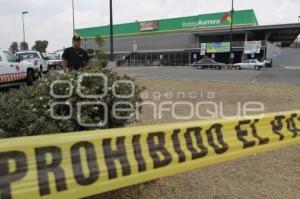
(73, 13)
(24, 37)
(231, 33)
(111, 32)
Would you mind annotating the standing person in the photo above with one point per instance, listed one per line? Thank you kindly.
(74, 57)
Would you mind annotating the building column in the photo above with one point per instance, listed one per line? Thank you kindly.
(175, 58)
(267, 35)
(243, 55)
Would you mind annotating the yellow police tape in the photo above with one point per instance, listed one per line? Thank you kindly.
(83, 164)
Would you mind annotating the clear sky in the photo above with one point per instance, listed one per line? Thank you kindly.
(52, 19)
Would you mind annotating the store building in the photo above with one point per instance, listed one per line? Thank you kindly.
(181, 41)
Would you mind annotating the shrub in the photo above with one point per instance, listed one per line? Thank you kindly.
(100, 55)
(90, 51)
(26, 111)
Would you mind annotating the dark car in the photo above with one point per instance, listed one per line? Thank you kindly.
(208, 63)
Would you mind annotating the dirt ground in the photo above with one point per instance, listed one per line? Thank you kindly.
(273, 175)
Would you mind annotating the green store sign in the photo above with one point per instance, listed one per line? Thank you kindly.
(215, 20)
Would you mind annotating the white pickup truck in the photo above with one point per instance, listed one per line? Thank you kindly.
(12, 70)
(36, 58)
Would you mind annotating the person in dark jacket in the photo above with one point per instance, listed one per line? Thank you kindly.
(74, 57)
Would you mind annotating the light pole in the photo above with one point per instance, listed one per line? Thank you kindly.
(24, 38)
(231, 56)
(298, 38)
(111, 32)
(73, 13)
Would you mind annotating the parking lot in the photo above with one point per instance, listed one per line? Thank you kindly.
(274, 75)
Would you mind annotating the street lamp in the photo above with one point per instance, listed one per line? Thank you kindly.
(231, 56)
(24, 38)
(111, 32)
(73, 13)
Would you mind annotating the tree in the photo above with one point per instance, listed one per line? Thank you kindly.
(40, 46)
(23, 46)
(14, 47)
(99, 41)
(100, 54)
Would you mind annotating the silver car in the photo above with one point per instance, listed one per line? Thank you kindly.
(253, 64)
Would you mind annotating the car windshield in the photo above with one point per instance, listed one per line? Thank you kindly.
(207, 61)
(24, 56)
(53, 57)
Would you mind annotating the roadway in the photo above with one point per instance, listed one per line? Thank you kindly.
(278, 75)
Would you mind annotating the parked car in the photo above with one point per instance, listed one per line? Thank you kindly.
(54, 61)
(35, 57)
(207, 63)
(249, 64)
(12, 70)
(156, 63)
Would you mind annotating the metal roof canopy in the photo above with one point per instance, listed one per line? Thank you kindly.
(285, 33)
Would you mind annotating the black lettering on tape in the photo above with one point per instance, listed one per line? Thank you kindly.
(44, 168)
(156, 148)
(244, 133)
(176, 145)
(118, 154)
(7, 177)
(291, 125)
(196, 154)
(241, 134)
(261, 140)
(91, 162)
(298, 123)
(138, 153)
(217, 129)
(277, 126)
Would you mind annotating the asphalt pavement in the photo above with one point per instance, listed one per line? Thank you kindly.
(274, 75)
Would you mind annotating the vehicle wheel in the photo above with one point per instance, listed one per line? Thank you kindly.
(238, 68)
(257, 68)
(219, 67)
(200, 67)
(30, 77)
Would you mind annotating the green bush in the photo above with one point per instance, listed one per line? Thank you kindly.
(90, 51)
(100, 55)
(26, 111)
(99, 63)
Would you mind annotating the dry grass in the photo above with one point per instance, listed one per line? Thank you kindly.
(271, 175)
